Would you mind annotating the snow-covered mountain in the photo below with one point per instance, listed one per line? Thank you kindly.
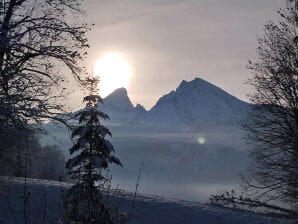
(120, 108)
(190, 138)
(198, 102)
(193, 103)
(119, 101)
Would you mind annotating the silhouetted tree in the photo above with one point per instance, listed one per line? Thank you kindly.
(273, 128)
(293, 4)
(39, 42)
(273, 123)
(92, 154)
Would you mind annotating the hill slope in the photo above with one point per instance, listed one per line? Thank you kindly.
(46, 207)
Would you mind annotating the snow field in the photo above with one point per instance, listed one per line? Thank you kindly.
(46, 207)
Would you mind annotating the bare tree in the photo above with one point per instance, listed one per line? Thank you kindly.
(273, 128)
(273, 123)
(39, 41)
(292, 3)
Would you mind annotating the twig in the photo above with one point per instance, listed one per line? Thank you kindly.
(135, 194)
(25, 202)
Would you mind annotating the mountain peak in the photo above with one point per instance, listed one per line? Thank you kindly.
(197, 101)
(196, 80)
(118, 100)
(118, 92)
(182, 84)
(197, 83)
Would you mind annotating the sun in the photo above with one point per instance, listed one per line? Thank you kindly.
(114, 72)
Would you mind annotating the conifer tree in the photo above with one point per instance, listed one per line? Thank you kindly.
(91, 154)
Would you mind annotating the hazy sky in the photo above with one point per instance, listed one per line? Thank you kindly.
(166, 41)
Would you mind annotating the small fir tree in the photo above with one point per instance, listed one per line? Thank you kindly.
(91, 154)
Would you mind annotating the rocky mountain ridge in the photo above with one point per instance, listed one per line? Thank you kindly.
(193, 103)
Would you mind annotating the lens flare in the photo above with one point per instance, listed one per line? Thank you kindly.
(201, 140)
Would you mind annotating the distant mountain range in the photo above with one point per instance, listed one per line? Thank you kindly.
(190, 137)
(193, 103)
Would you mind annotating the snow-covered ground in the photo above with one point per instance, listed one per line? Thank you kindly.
(46, 207)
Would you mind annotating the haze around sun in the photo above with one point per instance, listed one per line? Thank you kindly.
(114, 72)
